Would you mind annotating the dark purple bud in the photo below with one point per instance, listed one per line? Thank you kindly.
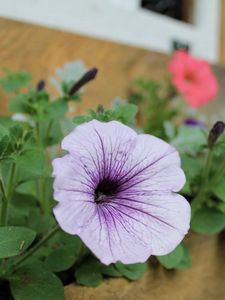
(215, 132)
(40, 85)
(193, 122)
(88, 76)
(100, 109)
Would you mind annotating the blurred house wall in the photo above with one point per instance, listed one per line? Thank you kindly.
(125, 21)
(40, 51)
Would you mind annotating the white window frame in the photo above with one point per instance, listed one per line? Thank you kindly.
(125, 22)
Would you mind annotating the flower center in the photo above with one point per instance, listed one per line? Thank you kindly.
(104, 189)
(189, 78)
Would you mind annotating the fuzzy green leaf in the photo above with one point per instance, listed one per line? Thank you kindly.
(125, 113)
(62, 259)
(20, 104)
(219, 189)
(185, 261)
(173, 259)
(170, 129)
(89, 274)
(14, 240)
(80, 120)
(13, 81)
(208, 221)
(72, 240)
(16, 132)
(3, 131)
(34, 281)
(191, 166)
(4, 146)
(31, 163)
(189, 139)
(110, 271)
(38, 221)
(132, 272)
(57, 109)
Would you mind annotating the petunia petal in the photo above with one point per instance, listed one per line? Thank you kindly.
(74, 216)
(102, 147)
(163, 217)
(71, 180)
(153, 165)
(128, 230)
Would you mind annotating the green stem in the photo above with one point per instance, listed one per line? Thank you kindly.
(204, 187)
(198, 200)
(48, 129)
(4, 212)
(2, 188)
(41, 183)
(35, 248)
(219, 173)
(3, 205)
(12, 174)
(208, 164)
(38, 133)
(42, 196)
(7, 194)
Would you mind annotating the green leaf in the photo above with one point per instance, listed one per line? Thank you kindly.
(185, 261)
(89, 274)
(19, 209)
(38, 221)
(4, 146)
(27, 188)
(191, 166)
(173, 259)
(80, 119)
(23, 203)
(57, 108)
(16, 132)
(133, 271)
(219, 189)
(30, 163)
(62, 259)
(208, 221)
(6, 121)
(13, 81)
(55, 134)
(34, 282)
(125, 113)
(189, 139)
(14, 240)
(110, 271)
(20, 104)
(72, 240)
(3, 131)
(186, 190)
(170, 129)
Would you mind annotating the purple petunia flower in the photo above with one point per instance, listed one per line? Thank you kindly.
(117, 191)
(193, 122)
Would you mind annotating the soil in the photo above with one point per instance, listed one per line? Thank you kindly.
(205, 280)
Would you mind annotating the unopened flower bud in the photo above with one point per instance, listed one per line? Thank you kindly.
(88, 76)
(215, 132)
(40, 85)
(100, 109)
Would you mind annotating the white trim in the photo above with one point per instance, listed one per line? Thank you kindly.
(125, 23)
(127, 4)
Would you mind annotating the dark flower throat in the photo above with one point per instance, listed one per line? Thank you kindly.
(105, 189)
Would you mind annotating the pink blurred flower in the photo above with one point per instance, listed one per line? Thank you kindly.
(193, 78)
